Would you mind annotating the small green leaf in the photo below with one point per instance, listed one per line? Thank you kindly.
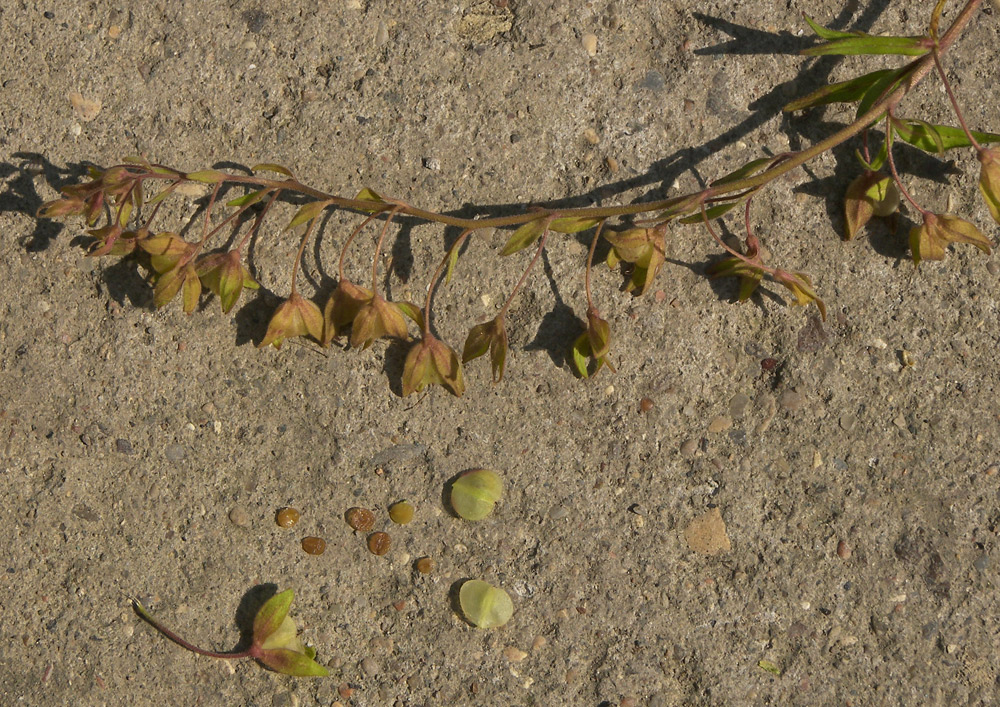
(412, 311)
(867, 44)
(270, 616)
(289, 662)
(247, 199)
(367, 194)
(271, 167)
(452, 261)
(484, 605)
(581, 354)
(307, 213)
(206, 176)
(769, 667)
(525, 236)
(826, 33)
(475, 493)
(711, 212)
(747, 170)
(882, 87)
(572, 224)
(842, 92)
(937, 138)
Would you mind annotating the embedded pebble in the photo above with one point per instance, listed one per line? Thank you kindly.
(707, 533)
(689, 448)
(370, 666)
(174, 452)
(720, 423)
(848, 422)
(124, 446)
(238, 516)
(646, 404)
(591, 136)
(589, 42)
(514, 655)
(844, 551)
(792, 401)
(738, 405)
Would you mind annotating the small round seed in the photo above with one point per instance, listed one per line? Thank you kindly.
(360, 519)
(287, 517)
(424, 565)
(378, 543)
(314, 546)
(645, 405)
(401, 512)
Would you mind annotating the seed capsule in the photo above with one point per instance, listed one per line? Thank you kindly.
(287, 517)
(424, 565)
(360, 519)
(314, 546)
(401, 512)
(378, 543)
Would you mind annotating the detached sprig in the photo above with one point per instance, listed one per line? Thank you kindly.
(363, 314)
(276, 643)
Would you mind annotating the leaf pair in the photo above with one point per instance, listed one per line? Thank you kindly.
(929, 240)
(492, 337)
(591, 348)
(369, 315)
(643, 247)
(276, 643)
(431, 361)
(871, 194)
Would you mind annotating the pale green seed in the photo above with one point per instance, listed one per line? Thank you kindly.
(475, 492)
(484, 605)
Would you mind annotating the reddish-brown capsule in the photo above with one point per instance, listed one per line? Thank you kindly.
(314, 546)
(287, 517)
(378, 543)
(360, 519)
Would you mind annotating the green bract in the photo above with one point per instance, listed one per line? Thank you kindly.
(475, 492)
(484, 605)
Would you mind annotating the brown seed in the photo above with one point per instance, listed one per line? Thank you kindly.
(360, 519)
(843, 550)
(424, 565)
(399, 605)
(314, 546)
(769, 364)
(287, 517)
(378, 543)
(645, 405)
(401, 512)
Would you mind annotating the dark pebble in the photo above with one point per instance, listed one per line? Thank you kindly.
(124, 446)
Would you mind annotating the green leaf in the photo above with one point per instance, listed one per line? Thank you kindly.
(881, 88)
(937, 138)
(307, 213)
(452, 261)
(484, 605)
(572, 224)
(876, 164)
(825, 33)
(866, 44)
(842, 92)
(747, 170)
(247, 199)
(769, 667)
(525, 236)
(475, 493)
(206, 176)
(711, 212)
(412, 311)
(581, 354)
(271, 167)
(292, 663)
(271, 614)
(367, 194)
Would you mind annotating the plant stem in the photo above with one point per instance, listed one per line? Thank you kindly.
(354, 233)
(590, 262)
(524, 275)
(892, 166)
(378, 247)
(141, 610)
(437, 274)
(302, 247)
(954, 103)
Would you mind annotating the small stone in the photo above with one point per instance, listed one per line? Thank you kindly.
(425, 565)
(848, 422)
(992, 469)
(611, 164)
(124, 446)
(370, 666)
(707, 533)
(993, 268)
(689, 448)
(591, 136)
(239, 517)
(538, 643)
(792, 401)
(381, 34)
(589, 42)
(646, 404)
(844, 550)
(720, 423)
(431, 163)
(514, 655)
(285, 699)
(174, 452)
(738, 405)
(86, 109)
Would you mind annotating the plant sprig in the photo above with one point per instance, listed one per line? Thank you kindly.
(183, 267)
